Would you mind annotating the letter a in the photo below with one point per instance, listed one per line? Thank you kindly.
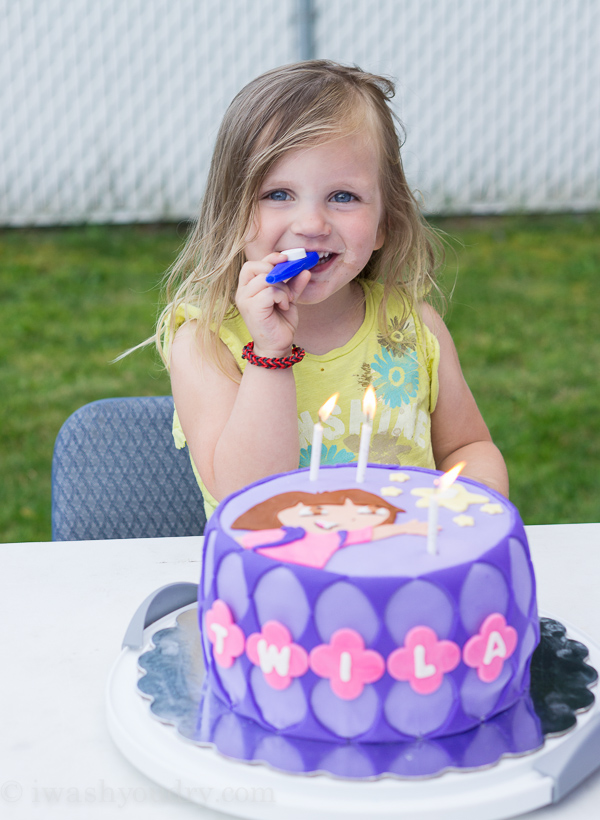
(496, 648)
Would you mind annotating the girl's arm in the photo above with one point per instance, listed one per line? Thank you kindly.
(458, 431)
(239, 433)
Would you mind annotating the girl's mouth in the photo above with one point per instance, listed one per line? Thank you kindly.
(325, 259)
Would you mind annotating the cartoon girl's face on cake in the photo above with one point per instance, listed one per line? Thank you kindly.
(323, 518)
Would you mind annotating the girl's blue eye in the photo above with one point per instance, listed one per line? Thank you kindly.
(277, 196)
(343, 196)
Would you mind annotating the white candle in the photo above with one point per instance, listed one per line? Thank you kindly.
(315, 453)
(432, 522)
(363, 452)
(317, 440)
(442, 484)
(368, 407)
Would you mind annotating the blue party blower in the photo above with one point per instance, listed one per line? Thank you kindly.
(286, 270)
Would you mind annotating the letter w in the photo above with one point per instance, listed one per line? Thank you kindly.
(272, 658)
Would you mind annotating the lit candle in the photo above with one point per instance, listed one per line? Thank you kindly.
(442, 484)
(315, 453)
(369, 406)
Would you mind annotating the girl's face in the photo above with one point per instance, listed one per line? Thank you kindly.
(324, 198)
(333, 517)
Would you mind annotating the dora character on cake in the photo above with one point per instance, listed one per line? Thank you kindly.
(308, 528)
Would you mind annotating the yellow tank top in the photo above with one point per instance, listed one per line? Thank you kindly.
(401, 364)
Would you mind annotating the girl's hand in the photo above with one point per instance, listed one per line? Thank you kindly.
(269, 311)
(413, 527)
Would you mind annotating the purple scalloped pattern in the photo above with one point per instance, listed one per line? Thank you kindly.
(279, 708)
(343, 606)
(479, 699)
(279, 752)
(279, 596)
(421, 758)
(521, 579)
(419, 715)
(231, 585)
(419, 603)
(483, 591)
(345, 718)
(348, 761)
(234, 682)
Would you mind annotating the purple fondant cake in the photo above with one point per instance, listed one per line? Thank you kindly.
(326, 613)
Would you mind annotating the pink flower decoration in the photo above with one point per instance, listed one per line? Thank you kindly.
(347, 664)
(488, 650)
(227, 638)
(423, 660)
(274, 652)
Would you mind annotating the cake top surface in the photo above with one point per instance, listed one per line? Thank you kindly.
(372, 529)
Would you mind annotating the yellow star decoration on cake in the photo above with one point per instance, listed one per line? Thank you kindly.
(399, 477)
(492, 509)
(456, 498)
(391, 491)
(464, 520)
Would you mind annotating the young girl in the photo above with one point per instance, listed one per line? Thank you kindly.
(308, 156)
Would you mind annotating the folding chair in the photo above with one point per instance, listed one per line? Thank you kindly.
(117, 474)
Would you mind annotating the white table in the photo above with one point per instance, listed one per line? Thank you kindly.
(66, 607)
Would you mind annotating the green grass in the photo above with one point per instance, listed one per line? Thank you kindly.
(70, 301)
(523, 316)
(524, 319)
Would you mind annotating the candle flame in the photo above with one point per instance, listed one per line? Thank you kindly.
(369, 404)
(447, 480)
(326, 410)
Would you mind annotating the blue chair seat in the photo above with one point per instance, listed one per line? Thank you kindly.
(117, 474)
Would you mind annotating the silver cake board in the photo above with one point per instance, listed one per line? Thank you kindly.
(201, 774)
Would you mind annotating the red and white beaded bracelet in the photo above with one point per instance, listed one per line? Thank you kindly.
(281, 363)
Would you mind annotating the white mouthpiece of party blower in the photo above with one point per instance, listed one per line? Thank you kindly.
(295, 253)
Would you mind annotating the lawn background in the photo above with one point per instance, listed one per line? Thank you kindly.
(523, 315)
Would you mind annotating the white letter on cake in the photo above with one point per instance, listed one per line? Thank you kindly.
(496, 648)
(221, 632)
(422, 669)
(345, 667)
(272, 658)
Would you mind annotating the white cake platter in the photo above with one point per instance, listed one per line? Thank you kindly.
(514, 786)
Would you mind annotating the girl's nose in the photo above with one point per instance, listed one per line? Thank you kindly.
(311, 221)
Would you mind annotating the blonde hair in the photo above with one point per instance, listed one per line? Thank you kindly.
(289, 107)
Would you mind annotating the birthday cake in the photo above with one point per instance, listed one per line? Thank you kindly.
(376, 612)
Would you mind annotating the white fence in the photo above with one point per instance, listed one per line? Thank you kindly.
(109, 108)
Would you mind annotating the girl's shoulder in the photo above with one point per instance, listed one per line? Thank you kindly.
(434, 325)
(172, 321)
(232, 331)
(402, 325)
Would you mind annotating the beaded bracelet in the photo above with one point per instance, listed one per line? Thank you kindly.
(281, 363)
